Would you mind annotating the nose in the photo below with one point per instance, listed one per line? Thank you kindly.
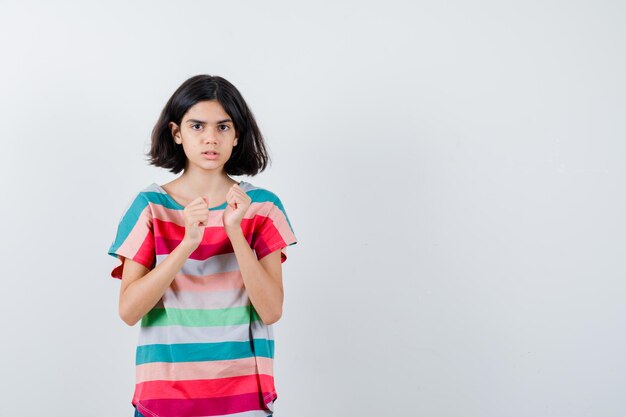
(210, 137)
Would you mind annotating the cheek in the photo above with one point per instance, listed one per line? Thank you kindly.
(189, 150)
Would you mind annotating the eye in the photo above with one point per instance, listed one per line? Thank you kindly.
(225, 126)
(195, 124)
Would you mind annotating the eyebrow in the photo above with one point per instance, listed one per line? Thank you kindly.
(203, 122)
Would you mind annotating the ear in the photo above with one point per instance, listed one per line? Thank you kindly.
(175, 132)
(235, 142)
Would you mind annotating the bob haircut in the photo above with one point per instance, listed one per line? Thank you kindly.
(249, 157)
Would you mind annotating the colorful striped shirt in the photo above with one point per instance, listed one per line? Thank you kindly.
(202, 349)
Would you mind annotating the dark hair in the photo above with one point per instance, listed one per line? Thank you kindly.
(249, 157)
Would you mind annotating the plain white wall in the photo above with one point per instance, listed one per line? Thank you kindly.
(454, 172)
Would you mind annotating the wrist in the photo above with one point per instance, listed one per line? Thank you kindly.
(233, 230)
(186, 246)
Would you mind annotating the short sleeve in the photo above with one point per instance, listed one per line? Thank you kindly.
(274, 230)
(135, 237)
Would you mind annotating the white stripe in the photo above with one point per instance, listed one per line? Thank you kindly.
(207, 300)
(152, 335)
(226, 262)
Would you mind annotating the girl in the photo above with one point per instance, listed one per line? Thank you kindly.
(201, 262)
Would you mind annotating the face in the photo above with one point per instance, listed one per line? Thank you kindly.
(206, 127)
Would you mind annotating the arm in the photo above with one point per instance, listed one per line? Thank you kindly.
(142, 288)
(262, 278)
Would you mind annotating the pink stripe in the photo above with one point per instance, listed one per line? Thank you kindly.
(280, 223)
(198, 370)
(203, 406)
(137, 235)
(266, 365)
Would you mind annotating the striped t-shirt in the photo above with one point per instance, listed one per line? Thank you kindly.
(202, 349)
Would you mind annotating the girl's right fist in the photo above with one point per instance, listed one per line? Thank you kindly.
(196, 215)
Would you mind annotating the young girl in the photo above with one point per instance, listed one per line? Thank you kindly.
(201, 262)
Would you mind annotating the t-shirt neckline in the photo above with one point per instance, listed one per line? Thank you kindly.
(181, 207)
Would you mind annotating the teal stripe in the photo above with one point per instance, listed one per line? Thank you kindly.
(191, 352)
(264, 347)
(156, 197)
(260, 195)
(128, 222)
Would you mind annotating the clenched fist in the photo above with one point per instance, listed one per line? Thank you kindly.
(238, 203)
(196, 216)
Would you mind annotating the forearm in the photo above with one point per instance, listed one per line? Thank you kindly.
(143, 294)
(265, 294)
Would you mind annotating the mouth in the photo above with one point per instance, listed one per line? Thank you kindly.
(210, 155)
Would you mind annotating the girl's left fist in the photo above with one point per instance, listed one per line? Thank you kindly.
(237, 204)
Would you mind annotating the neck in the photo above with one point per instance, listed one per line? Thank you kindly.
(203, 182)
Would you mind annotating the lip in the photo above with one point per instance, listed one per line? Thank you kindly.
(210, 156)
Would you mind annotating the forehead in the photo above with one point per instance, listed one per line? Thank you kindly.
(210, 111)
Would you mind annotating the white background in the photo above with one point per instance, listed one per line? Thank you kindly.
(454, 173)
